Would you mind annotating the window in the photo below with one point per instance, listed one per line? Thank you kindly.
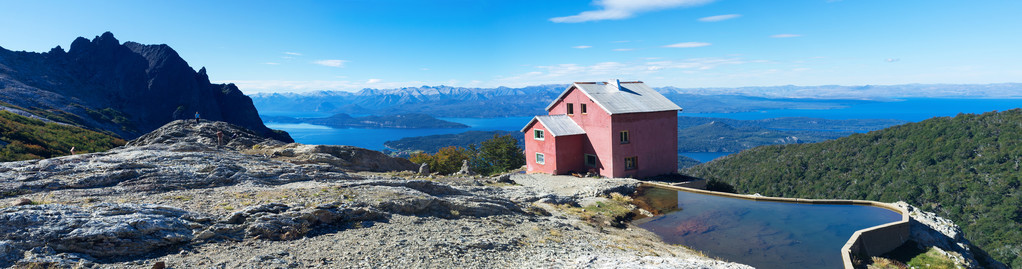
(537, 134)
(624, 137)
(571, 109)
(590, 160)
(540, 158)
(583, 108)
(631, 163)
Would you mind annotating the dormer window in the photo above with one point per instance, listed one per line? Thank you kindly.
(571, 109)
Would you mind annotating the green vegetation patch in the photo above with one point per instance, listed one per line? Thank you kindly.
(967, 168)
(497, 155)
(29, 138)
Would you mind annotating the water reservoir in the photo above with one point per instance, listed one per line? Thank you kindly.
(758, 233)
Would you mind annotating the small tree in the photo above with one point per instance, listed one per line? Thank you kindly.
(446, 161)
(498, 155)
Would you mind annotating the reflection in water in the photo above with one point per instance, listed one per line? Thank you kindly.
(761, 234)
(656, 201)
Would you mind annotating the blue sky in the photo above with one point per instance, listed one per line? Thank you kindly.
(266, 46)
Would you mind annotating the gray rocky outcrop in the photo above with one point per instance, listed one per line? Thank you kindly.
(105, 230)
(204, 134)
(344, 157)
(465, 169)
(424, 169)
(929, 230)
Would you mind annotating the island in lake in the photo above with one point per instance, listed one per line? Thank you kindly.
(400, 121)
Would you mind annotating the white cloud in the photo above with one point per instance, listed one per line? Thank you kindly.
(785, 35)
(271, 63)
(373, 80)
(331, 63)
(891, 60)
(623, 9)
(292, 53)
(688, 45)
(624, 49)
(719, 18)
(582, 47)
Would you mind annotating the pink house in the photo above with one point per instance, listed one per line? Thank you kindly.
(616, 129)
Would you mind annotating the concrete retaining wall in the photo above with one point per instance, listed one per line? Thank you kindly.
(872, 241)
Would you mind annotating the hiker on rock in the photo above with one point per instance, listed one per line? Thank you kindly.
(219, 138)
(196, 117)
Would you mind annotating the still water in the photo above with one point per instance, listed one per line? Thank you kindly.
(373, 138)
(757, 233)
(908, 109)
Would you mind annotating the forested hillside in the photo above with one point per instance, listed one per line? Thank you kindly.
(966, 168)
(23, 138)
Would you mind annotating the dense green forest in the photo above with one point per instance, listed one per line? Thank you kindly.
(965, 168)
(23, 138)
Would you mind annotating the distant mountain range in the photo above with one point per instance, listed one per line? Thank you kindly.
(125, 89)
(446, 101)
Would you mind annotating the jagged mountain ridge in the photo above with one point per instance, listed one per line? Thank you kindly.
(128, 89)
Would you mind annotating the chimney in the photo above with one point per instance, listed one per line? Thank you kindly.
(615, 83)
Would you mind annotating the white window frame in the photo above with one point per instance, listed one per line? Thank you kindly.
(540, 158)
(538, 134)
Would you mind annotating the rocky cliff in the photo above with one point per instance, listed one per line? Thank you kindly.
(129, 89)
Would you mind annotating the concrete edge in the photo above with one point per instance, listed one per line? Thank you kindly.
(855, 245)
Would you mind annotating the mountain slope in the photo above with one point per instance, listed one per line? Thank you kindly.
(128, 89)
(23, 138)
(966, 168)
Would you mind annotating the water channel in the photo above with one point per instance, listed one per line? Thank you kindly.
(758, 233)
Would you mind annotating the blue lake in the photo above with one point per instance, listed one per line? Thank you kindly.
(374, 138)
(757, 233)
(912, 109)
(908, 109)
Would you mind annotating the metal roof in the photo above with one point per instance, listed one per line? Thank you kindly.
(557, 125)
(621, 97)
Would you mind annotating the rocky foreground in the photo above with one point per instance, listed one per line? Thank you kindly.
(178, 198)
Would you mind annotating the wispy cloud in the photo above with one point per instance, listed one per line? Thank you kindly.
(331, 63)
(624, 49)
(292, 53)
(271, 63)
(891, 60)
(373, 81)
(623, 9)
(688, 45)
(582, 47)
(719, 18)
(785, 35)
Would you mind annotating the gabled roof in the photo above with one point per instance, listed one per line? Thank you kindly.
(557, 125)
(621, 97)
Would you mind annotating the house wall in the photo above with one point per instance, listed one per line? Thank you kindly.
(596, 122)
(569, 154)
(653, 139)
(547, 146)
